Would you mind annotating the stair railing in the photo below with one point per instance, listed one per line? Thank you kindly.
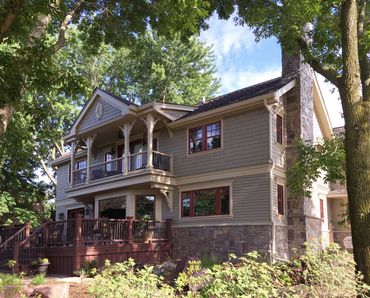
(29, 249)
(8, 247)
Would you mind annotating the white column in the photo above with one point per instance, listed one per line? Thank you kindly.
(126, 130)
(73, 150)
(130, 204)
(150, 122)
(88, 142)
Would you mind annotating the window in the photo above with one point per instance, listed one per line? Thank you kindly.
(212, 201)
(279, 129)
(322, 214)
(205, 138)
(145, 207)
(108, 157)
(80, 164)
(113, 208)
(280, 197)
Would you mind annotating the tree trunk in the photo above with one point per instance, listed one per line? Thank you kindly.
(357, 140)
(5, 115)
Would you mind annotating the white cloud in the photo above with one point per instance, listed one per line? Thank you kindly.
(227, 38)
(332, 101)
(234, 79)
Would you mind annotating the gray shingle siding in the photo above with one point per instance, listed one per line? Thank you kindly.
(109, 113)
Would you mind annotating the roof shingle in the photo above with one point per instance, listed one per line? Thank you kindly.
(240, 95)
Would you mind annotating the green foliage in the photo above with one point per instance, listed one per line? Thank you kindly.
(10, 284)
(38, 279)
(331, 272)
(124, 280)
(246, 276)
(325, 159)
(163, 70)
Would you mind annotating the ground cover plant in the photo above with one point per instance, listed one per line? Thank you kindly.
(317, 273)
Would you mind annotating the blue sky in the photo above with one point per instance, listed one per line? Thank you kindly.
(242, 62)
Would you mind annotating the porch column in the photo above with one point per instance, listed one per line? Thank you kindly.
(126, 130)
(150, 122)
(130, 205)
(74, 145)
(88, 142)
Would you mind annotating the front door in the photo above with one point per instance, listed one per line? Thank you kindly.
(71, 214)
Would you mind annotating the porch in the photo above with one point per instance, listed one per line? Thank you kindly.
(70, 244)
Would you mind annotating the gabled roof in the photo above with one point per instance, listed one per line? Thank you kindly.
(117, 97)
(240, 95)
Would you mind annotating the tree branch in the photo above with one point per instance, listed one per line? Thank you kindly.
(63, 26)
(47, 170)
(14, 9)
(317, 66)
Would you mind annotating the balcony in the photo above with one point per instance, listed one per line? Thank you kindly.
(117, 167)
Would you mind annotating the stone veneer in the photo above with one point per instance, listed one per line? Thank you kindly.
(218, 241)
(299, 124)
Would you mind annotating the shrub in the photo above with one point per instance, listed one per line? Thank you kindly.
(10, 284)
(241, 277)
(38, 279)
(124, 280)
(330, 272)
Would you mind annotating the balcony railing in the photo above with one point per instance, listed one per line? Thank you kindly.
(136, 161)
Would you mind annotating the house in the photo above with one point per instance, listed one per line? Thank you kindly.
(216, 172)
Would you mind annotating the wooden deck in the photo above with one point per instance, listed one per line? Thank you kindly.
(71, 244)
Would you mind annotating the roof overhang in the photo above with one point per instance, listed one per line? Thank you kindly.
(320, 110)
(244, 105)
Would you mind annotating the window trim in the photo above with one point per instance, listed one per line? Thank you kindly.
(217, 203)
(280, 202)
(204, 138)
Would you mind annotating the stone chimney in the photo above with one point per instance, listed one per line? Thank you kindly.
(299, 124)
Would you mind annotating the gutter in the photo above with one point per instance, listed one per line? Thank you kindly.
(272, 166)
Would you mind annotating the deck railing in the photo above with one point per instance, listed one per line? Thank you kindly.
(136, 161)
(24, 247)
(107, 169)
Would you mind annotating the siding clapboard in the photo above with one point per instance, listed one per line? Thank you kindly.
(245, 143)
(109, 112)
(250, 204)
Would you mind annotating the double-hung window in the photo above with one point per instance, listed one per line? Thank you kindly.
(205, 138)
(280, 199)
(279, 129)
(211, 201)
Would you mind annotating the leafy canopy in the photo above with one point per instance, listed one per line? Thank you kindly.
(325, 159)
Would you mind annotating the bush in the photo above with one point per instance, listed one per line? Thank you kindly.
(124, 280)
(38, 279)
(330, 272)
(10, 284)
(239, 277)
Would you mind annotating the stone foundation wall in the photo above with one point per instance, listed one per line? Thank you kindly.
(218, 241)
(281, 243)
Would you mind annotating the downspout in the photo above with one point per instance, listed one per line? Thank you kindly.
(272, 166)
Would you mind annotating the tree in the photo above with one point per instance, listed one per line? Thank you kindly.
(325, 159)
(40, 120)
(31, 32)
(164, 70)
(336, 44)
